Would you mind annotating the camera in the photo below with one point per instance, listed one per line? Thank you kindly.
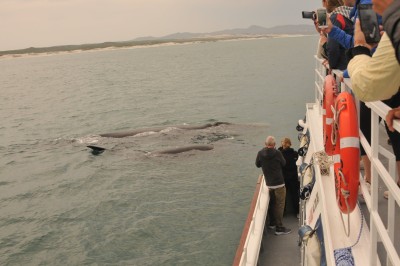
(319, 15)
(309, 15)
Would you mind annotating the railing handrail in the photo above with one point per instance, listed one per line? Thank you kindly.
(253, 229)
(388, 175)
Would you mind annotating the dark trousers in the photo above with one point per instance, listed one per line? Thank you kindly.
(293, 189)
(276, 206)
(365, 125)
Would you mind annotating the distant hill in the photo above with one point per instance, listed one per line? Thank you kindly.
(252, 30)
(180, 37)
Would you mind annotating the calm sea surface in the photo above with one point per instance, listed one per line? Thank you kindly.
(61, 205)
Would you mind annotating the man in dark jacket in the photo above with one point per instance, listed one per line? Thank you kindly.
(271, 161)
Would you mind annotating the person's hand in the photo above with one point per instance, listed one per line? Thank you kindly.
(325, 63)
(392, 114)
(379, 6)
(329, 24)
(340, 78)
(359, 37)
(381, 30)
(316, 26)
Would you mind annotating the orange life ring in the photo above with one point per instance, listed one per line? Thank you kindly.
(327, 113)
(347, 153)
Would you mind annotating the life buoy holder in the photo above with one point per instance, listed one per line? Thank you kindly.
(327, 113)
(347, 152)
(301, 124)
(307, 180)
(304, 142)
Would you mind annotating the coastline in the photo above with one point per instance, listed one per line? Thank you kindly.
(74, 49)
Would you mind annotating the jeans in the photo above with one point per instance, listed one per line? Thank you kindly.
(276, 206)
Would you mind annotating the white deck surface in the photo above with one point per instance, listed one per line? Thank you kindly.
(334, 229)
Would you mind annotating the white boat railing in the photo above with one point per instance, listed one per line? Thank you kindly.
(387, 174)
(248, 250)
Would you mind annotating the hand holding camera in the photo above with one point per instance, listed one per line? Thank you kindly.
(329, 25)
(359, 37)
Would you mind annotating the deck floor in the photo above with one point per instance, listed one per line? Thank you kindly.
(283, 249)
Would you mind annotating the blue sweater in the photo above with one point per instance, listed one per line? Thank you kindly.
(336, 52)
(346, 40)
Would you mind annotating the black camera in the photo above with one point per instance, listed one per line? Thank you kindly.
(309, 14)
(319, 15)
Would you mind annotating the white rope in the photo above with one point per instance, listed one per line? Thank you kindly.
(345, 195)
(323, 160)
(336, 115)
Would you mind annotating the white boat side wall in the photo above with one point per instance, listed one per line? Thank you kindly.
(365, 252)
(253, 231)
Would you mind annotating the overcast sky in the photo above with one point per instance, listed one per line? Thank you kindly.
(39, 23)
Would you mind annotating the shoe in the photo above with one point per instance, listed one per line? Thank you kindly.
(282, 231)
(272, 227)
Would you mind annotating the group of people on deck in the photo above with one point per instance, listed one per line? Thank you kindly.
(280, 172)
(374, 70)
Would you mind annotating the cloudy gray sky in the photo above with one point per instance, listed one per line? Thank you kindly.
(38, 23)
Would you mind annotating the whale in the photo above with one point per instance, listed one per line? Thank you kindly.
(96, 150)
(184, 149)
(130, 133)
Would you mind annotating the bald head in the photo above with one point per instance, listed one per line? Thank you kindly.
(270, 142)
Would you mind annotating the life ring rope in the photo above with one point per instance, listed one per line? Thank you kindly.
(328, 112)
(346, 195)
(336, 121)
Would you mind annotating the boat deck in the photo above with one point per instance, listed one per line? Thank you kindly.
(285, 249)
(369, 235)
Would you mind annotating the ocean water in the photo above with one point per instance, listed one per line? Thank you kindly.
(62, 205)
